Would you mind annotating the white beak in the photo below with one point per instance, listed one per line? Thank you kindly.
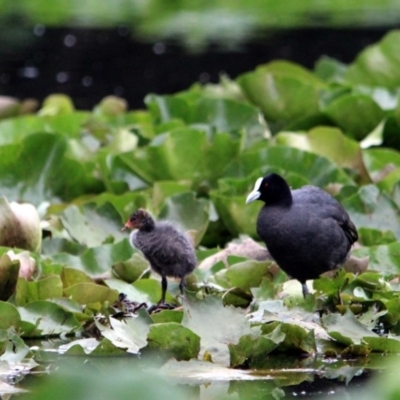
(254, 195)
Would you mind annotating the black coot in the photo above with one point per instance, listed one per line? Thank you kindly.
(169, 251)
(306, 230)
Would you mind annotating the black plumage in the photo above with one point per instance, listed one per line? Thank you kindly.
(169, 251)
(306, 230)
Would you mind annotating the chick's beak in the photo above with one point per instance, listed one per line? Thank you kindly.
(128, 225)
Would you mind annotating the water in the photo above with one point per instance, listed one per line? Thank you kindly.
(89, 64)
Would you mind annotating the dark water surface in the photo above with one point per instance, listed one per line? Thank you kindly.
(89, 64)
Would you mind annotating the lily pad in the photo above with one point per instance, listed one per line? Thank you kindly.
(191, 213)
(43, 289)
(86, 293)
(251, 350)
(283, 90)
(48, 319)
(130, 334)
(377, 65)
(346, 328)
(228, 324)
(174, 339)
(92, 226)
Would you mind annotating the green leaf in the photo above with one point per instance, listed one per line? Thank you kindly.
(130, 334)
(245, 275)
(152, 289)
(371, 208)
(48, 319)
(86, 293)
(167, 316)
(189, 212)
(317, 170)
(72, 276)
(174, 339)
(382, 258)
(231, 116)
(356, 114)
(251, 350)
(36, 170)
(97, 259)
(130, 270)
(283, 90)
(379, 161)
(373, 237)
(164, 189)
(45, 288)
(184, 154)
(225, 325)
(56, 104)
(330, 69)
(16, 349)
(296, 338)
(92, 226)
(9, 316)
(346, 328)
(330, 143)
(377, 65)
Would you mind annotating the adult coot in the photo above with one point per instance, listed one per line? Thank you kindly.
(169, 251)
(306, 230)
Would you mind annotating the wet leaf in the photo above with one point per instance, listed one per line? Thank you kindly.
(16, 349)
(130, 334)
(296, 338)
(228, 324)
(346, 328)
(48, 319)
(174, 339)
(251, 350)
